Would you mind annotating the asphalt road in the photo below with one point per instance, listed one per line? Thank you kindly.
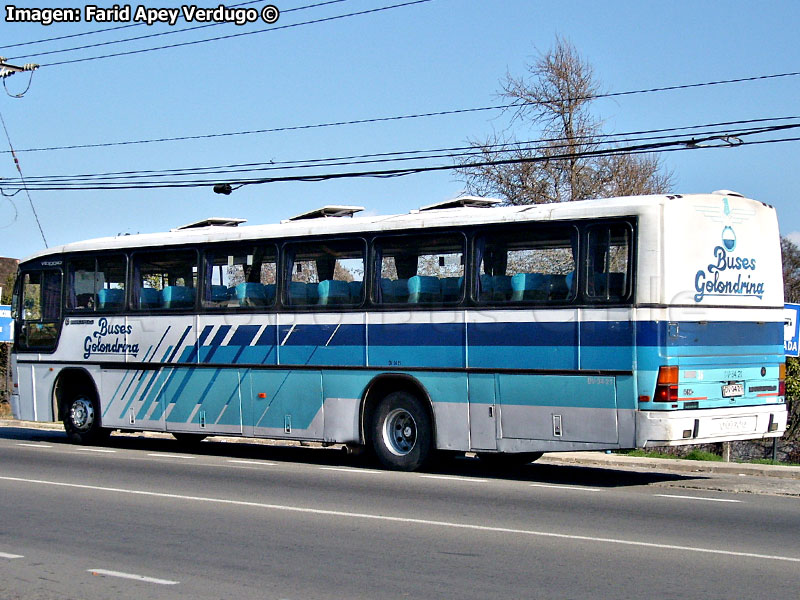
(145, 518)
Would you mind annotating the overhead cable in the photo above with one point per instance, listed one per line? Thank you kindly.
(652, 147)
(391, 118)
(236, 35)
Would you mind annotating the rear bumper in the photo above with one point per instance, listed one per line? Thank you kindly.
(678, 428)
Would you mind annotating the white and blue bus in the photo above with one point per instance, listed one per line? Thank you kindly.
(507, 331)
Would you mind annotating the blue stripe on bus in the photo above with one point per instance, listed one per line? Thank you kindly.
(607, 345)
(244, 335)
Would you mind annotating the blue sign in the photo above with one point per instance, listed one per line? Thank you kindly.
(791, 329)
(6, 324)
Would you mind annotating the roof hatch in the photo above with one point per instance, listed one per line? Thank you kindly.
(331, 210)
(461, 201)
(212, 222)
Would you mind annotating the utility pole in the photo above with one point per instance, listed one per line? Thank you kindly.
(7, 70)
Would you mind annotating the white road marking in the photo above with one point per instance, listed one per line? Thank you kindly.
(132, 576)
(253, 463)
(696, 498)
(407, 520)
(451, 478)
(565, 487)
(156, 455)
(349, 470)
(98, 450)
(10, 556)
(33, 445)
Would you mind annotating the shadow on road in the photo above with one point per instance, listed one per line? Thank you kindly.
(316, 454)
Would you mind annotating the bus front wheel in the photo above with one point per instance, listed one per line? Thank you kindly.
(401, 432)
(82, 418)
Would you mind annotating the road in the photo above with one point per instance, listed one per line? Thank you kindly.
(145, 518)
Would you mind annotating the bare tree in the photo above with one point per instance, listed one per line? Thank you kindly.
(554, 98)
(790, 254)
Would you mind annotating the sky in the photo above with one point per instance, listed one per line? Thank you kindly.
(310, 69)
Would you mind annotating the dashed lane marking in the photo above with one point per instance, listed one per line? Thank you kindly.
(143, 578)
(408, 520)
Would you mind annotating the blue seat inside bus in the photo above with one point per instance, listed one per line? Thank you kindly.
(394, 290)
(219, 293)
(332, 291)
(495, 287)
(607, 284)
(559, 289)
(149, 298)
(451, 288)
(254, 294)
(424, 288)
(356, 288)
(303, 294)
(177, 296)
(110, 298)
(530, 286)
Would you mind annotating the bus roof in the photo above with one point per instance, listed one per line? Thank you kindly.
(472, 214)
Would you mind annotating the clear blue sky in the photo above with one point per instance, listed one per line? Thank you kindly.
(435, 56)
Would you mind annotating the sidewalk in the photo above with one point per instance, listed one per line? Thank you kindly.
(597, 459)
(601, 459)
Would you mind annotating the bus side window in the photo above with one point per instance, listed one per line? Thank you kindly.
(164, 280)
(528, 264)
(421, 269)
(608, 262)
(240, 277)
(96, 283)
(326, 273)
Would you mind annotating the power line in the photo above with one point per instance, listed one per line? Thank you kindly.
(117, 27)
(168, 32)
(396, 117)
(236, 35)
(657, 147)
(24, 186)
(453, 153)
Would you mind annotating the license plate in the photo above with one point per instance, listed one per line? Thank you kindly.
(746, 424)
(732, 389)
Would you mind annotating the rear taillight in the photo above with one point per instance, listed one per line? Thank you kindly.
(666, 385)
(782, 379)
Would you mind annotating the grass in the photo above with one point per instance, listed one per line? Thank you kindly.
(693, 455)
(703, 455)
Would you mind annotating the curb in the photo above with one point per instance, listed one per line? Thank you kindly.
(670, 464)
(595, 459)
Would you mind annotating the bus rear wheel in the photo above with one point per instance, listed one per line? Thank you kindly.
(401, 432)
(82, 418)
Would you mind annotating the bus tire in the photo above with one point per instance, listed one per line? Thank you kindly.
(82, 418)
(401, 432)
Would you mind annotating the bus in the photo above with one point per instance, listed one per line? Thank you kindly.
(463, 326)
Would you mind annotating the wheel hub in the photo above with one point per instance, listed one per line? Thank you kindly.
(400, 432)
(81, 414)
